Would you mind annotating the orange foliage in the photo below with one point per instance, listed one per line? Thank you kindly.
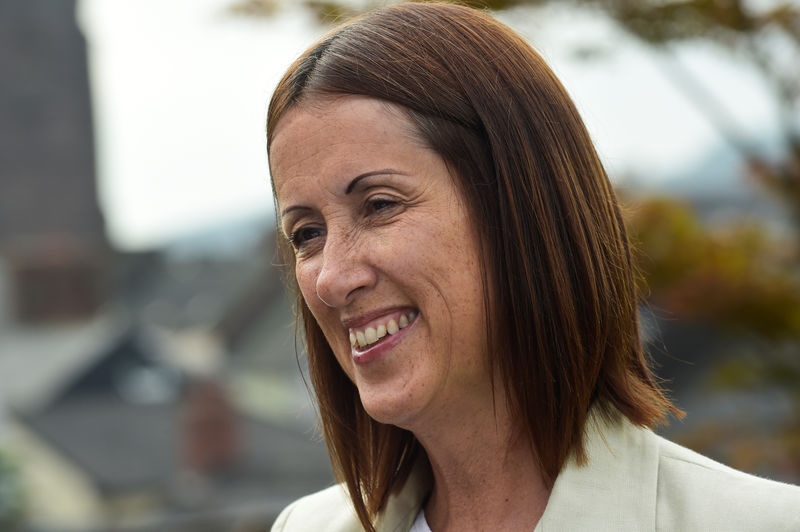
(738, 277)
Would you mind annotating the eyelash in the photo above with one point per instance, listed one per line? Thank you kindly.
(295, 238)
(373, 206)
(372, 202)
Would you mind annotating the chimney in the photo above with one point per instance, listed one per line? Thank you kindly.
(209, 431)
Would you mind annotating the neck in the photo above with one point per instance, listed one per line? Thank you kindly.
(485, 477)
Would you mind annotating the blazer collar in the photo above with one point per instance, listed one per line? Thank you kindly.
(615, 490)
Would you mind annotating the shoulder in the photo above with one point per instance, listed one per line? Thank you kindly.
(330, 510)
(695, 492)
(634, 479)
(327, 510)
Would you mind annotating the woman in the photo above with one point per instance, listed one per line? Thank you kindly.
(467, 295)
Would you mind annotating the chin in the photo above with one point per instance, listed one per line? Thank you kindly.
(392, 410)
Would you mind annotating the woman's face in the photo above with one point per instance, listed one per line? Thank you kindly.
(386, 257)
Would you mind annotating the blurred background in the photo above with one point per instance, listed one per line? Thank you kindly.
(148, 378)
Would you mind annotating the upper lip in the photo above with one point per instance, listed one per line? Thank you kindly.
(355, 321)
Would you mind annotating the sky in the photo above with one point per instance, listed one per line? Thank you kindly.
(180, 91)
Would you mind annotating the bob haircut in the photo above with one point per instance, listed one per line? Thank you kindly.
(557, 269)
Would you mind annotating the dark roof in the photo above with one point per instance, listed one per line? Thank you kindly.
(222, 292)
(126, 447)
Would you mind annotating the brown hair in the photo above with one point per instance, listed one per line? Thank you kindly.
(563, 309)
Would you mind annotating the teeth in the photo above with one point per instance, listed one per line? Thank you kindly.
(371, 335)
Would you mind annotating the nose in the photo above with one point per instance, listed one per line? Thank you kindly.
(345, 272)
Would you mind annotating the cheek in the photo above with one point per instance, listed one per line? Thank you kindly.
(460, 259)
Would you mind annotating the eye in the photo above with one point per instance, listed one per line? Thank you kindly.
(303, 236)
(380, 204)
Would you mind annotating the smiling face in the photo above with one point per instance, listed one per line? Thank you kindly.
(386, 257)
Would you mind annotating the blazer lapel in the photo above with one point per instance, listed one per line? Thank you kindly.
(615, 490)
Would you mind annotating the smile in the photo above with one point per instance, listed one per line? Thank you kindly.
(374, 332)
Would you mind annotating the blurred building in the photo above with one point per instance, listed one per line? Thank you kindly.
(148, 391)
(182, 412)
(52, 234)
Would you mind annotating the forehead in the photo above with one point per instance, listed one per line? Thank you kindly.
(339, 137)
(338, 120)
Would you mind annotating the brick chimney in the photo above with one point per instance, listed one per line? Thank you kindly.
(210, 439)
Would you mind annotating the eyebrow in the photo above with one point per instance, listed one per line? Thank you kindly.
(358, 178)
(350, 186)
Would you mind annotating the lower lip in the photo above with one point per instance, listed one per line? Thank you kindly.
(378, 350)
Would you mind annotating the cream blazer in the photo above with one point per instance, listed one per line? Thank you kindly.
(634, 481)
